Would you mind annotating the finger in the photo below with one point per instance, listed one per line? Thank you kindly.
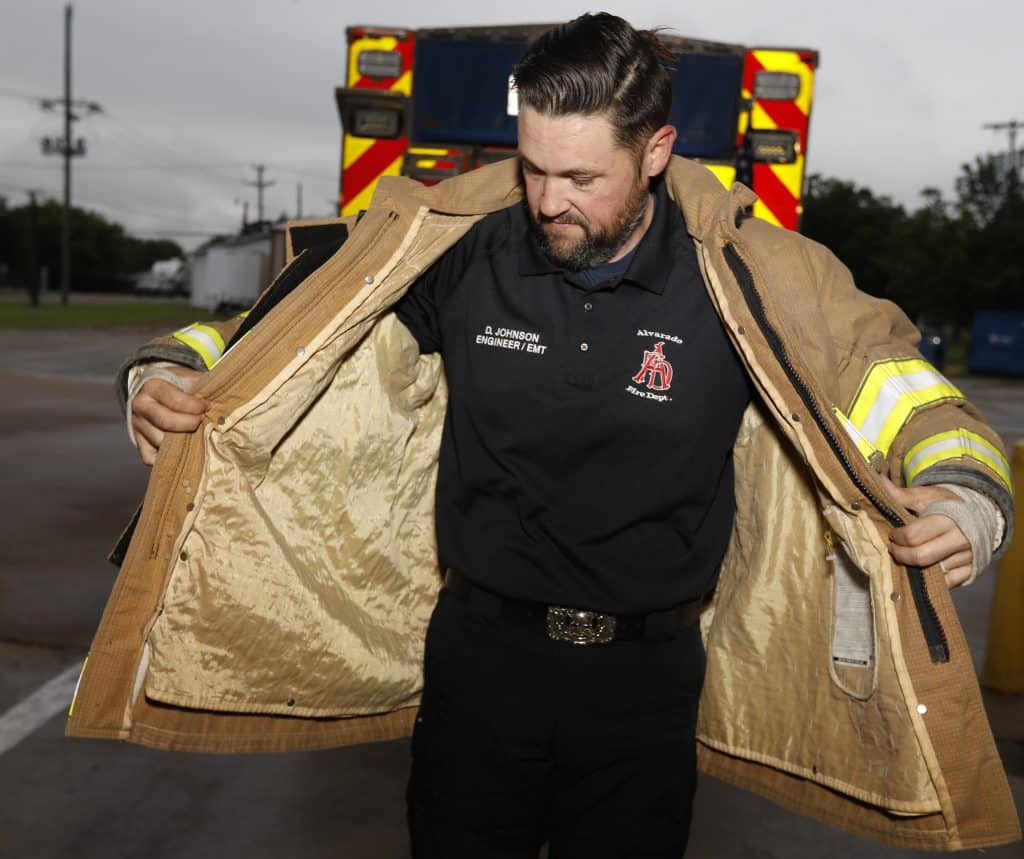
(926, 554)
(163, 417)
(922, 530)
(903, 495)
(145, 432)
(146, 451)
(956, 577)
(166, 394)
(897, 492)
(960, 559)
(917, 498)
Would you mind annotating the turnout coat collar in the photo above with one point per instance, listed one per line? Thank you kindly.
(276, 590)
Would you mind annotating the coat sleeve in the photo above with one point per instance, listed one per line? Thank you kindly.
(906, 417)
(198, 346)
(202, 344)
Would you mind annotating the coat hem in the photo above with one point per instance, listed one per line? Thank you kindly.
(812, 799)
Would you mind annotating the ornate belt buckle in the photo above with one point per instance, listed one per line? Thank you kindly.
(580, 627)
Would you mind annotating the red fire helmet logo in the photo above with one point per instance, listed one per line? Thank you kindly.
(655, 372)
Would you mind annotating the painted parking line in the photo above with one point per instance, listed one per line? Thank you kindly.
(28, 715)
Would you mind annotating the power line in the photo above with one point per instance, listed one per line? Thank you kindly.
(24, 96)
(195, 234)
(19, 189)
(155, 145)
(167, 218)
(182, 166)
(29, 165)
(301, 171)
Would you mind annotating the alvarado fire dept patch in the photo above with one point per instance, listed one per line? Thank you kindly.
(655, 374)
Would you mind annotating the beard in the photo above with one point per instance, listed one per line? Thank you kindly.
(598, 245)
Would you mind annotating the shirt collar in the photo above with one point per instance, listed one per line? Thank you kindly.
(647, 270)
(651, 265)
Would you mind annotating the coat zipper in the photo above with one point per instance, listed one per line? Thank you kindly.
(931, 626)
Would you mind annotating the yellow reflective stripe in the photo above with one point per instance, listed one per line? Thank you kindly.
(954, 444)
(205, 340)
(891, 392)
(863, 445)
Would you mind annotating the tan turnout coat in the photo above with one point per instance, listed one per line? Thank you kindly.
(279, 582)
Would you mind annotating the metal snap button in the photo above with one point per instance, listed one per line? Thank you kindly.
(584, 347)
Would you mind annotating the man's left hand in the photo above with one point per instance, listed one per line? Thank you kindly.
(933, 539)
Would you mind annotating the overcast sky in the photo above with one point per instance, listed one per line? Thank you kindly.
(195, 91)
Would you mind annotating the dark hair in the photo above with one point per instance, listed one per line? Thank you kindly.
(598, 64)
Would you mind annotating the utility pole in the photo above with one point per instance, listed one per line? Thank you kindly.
(33, 252)
(1011, 127)
(65, 227)
(298, 201)
(69, 148)
(260, 184)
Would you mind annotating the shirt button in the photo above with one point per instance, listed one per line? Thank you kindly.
(588, 306)
(584, 347)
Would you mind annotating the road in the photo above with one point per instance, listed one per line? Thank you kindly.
(70, 482)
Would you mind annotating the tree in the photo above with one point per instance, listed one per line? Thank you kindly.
(926, 260)
(855, 225)
(991, 209)
(942, 262)
(103, 256)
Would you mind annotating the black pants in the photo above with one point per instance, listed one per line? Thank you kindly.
(522, 740)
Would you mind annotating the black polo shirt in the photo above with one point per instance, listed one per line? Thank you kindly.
(586, 458)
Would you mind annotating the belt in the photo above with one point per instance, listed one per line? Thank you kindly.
(578, 626)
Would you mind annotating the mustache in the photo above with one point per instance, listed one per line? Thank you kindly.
(567, 218)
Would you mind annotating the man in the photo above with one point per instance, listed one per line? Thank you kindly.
(585, 494)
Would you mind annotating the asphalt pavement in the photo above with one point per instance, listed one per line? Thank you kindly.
(71, 480)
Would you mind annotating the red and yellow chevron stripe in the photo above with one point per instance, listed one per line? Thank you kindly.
(779, 187)
(365, 159)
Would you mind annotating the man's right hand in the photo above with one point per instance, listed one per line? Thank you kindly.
(160, 408)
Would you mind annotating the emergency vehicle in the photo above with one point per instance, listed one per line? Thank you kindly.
(433, 103)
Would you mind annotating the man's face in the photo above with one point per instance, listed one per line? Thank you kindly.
(585, 193)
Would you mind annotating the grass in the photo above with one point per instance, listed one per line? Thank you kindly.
(101, 315)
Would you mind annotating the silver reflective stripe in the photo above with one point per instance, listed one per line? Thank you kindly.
(212, 346)
(892, 391)
(911, 466)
